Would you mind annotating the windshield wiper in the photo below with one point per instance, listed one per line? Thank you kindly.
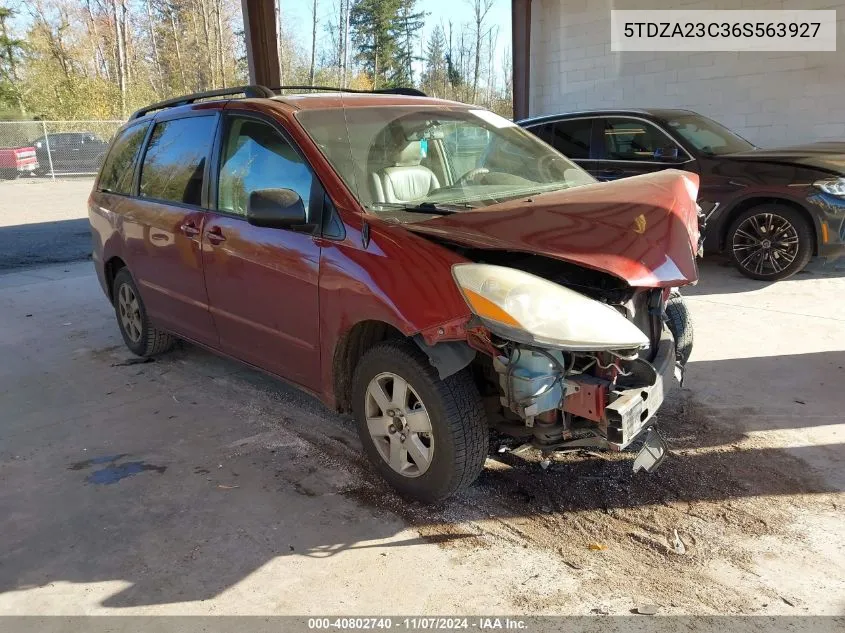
(445, 208)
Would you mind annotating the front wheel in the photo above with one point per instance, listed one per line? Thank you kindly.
(770, 242)
(426, 436)
(679, 320)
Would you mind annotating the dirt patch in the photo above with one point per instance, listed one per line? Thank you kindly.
(617, 529)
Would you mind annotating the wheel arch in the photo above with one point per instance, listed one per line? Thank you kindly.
(349, 349)
(756, 201)
(111, 268)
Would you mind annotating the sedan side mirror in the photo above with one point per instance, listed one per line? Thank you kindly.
(275, 209)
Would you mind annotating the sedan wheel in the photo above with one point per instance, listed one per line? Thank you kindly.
(770, 243)
(399, 425)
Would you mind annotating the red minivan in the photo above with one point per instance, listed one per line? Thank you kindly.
(427, 265)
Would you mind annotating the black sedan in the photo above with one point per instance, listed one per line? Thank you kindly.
(771, 210)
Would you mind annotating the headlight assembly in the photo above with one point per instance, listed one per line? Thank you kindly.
(833, 186)
(528, 309)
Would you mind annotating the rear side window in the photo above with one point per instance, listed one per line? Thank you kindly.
(174, 163)
(116, 176)
(571, 138)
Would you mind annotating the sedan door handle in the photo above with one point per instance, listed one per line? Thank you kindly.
(190, 229)
(215, 235)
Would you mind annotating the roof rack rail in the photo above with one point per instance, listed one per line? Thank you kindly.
(253, 91)
(408, 92)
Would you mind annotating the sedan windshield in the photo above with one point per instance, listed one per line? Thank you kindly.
(707, 136)
(435, 159)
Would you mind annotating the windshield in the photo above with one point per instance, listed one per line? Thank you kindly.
(707, 136)
(435, 159)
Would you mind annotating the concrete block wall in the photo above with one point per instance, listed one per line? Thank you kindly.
(769, 98)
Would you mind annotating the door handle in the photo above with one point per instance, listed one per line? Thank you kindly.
(215, 235)
(190, 229)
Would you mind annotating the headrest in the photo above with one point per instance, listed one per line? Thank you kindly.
(409, 155)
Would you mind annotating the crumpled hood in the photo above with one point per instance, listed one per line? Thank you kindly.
(642, 229)
(828, 156)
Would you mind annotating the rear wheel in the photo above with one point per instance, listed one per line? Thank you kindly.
(141, 336)
(770, 242)
(426, 436)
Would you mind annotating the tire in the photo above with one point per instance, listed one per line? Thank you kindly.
(679, 320)
(8, 174)
(459, 436)
(141, 337)
(748, 230)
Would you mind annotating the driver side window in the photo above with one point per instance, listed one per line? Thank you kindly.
(255, 156)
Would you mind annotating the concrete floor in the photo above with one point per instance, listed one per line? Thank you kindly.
(192, 485)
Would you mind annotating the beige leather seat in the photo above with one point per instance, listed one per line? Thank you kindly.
(406, 179)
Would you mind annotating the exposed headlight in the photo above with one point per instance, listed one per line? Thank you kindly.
(833, 186)
(528, 309)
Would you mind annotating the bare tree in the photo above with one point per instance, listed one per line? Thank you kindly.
(119, 8)
(154, 43)
(220, 60)
(480, 9)
(313, 42)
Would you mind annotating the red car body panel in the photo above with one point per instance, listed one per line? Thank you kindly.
(286, 301)
(643, 229)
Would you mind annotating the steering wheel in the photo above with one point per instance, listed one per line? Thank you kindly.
(471, 175)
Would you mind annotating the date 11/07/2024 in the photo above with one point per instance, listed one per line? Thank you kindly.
(418, 623)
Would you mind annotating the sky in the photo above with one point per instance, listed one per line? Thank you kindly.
(439, 11)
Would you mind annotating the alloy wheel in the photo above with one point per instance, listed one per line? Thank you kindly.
(765, 244)
(399, 424)
(130, 312)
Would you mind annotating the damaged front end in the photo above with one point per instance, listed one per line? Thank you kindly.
(571, 369)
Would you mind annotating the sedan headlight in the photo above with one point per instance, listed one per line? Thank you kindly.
(833, 186)
(528, 309)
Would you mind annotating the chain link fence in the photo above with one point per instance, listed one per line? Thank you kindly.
(54, 148)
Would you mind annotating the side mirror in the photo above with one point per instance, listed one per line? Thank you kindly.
(275, 209)
(666, 153)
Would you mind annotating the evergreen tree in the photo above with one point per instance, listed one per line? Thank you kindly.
(405, 30)
(373, 36)
(435, 74)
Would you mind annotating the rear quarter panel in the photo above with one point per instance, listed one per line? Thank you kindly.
(105, 213)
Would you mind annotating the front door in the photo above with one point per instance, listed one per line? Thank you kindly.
(631, 147)
(164, 228)
(263, 282)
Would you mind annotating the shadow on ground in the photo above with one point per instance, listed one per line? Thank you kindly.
(718, 276)
(44, 243)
